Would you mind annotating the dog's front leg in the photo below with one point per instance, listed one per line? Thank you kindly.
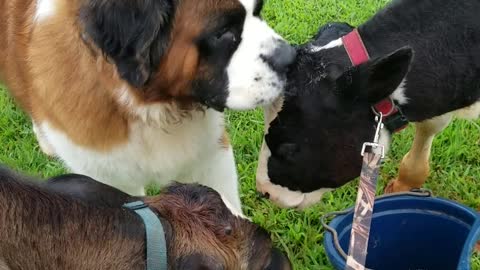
(218, 171)
(415, 167)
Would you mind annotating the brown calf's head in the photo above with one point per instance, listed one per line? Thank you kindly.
(217, 53)
(207, 235)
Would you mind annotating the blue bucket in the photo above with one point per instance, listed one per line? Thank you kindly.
(410, 231)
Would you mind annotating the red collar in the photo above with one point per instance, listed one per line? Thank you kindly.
(355, 48)
(394, 119)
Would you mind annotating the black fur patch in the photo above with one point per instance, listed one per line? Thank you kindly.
(88, 190)
(258, 7)
(133, 33)
(217, 46)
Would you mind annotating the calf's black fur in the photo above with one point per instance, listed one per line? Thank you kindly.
(425, 55)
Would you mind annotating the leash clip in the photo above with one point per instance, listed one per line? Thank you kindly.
(375, 144)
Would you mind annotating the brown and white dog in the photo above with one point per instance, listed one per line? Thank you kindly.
(74, 222)
(132, 91)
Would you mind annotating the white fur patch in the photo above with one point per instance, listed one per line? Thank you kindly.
(188, 152)
(252, 82)
(233, 209)
(331, 44)
(218, 171)
(153, 115)
(46, 147)
(286, 198)
(44, 9)
(248, 5)
(399, 94)
(470, 112)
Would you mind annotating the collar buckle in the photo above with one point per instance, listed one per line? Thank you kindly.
(394, 119)
(375, 144)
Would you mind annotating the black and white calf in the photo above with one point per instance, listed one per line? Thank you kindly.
(424, 60)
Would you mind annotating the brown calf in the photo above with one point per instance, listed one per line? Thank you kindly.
(74, 222)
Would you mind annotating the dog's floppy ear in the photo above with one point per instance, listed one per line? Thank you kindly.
(133, 33)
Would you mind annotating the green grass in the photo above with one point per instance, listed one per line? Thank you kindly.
(455, 157)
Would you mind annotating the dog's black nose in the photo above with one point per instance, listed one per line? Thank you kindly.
(282, 57)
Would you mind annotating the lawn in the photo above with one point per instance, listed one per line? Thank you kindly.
(455, 158)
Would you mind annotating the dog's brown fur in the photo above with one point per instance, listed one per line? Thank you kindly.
(42, 228)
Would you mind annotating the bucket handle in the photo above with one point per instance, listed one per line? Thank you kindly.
(473, 237)
(323, 219)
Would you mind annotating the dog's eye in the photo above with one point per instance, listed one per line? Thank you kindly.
(226, 35)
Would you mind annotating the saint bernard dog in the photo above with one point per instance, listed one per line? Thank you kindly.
(131, 92)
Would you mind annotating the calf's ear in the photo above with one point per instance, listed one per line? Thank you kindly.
(375, 79)
(385, 74)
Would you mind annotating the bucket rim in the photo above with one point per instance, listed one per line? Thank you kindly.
(470, 243)
(337, 256)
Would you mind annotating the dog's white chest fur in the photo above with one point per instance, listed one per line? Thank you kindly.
(152, 153)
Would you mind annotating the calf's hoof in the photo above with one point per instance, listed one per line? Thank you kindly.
(396, 186)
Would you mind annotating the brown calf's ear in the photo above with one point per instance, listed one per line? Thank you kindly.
(387, 73)
(133, 33)
(198, 262)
